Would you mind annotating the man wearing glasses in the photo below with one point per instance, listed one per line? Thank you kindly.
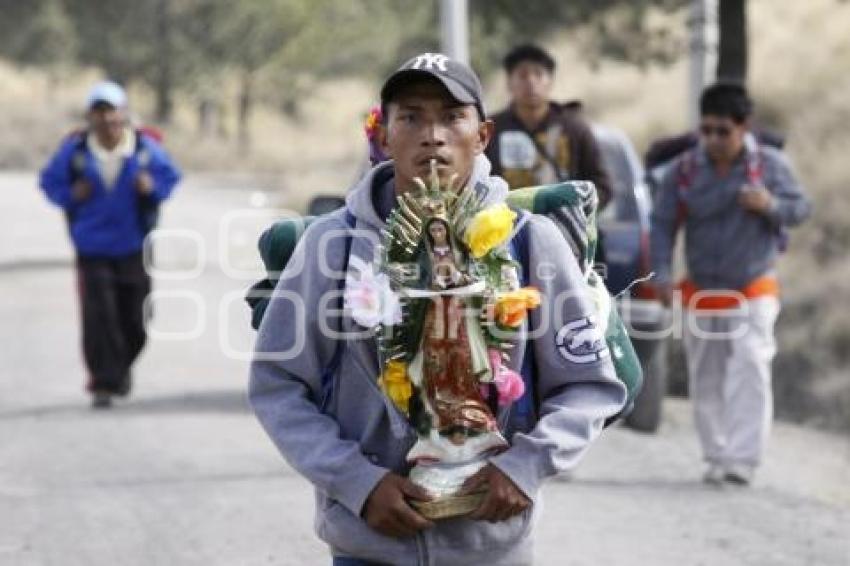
(734, 199)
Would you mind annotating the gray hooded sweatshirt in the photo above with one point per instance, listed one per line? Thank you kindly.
(360, 436)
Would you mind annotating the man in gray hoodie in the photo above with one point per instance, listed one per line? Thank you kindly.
(347, 438)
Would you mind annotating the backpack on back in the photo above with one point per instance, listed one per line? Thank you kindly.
(572, 206)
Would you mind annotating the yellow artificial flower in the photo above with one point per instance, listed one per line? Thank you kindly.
(396, 384)
(511, 307)
(489, 228)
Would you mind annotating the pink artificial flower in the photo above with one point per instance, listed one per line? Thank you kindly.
(508, 383)
(510, 386)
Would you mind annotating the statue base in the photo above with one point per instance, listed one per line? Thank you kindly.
(449, 506)
(444, 482)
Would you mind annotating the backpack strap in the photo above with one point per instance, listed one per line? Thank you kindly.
(755, 177)
(78, 157)
(143, 154)
(329, 371)
(755, 167)
(148, 206)
(524, 407)
(77, 167)
(687, 171)
(685, 174)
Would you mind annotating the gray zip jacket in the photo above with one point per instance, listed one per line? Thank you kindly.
(346, 450)
(726, 246)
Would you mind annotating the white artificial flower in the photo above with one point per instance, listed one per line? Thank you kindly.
(369, 297)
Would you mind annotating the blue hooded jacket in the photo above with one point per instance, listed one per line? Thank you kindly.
(109, 223)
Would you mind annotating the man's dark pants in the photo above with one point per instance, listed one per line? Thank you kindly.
(112, 295)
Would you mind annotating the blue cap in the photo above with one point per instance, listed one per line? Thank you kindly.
(108, 92)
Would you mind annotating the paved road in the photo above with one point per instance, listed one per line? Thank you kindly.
(182, 474)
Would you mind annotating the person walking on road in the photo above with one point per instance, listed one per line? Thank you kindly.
(538, 141)
(734, 199)
(110, 180)
(343, 434)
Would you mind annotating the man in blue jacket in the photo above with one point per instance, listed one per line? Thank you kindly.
(109, 180)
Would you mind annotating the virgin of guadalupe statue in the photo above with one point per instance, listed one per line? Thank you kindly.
(441, 361)
(456, 425)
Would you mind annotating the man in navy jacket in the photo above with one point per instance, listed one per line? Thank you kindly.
(109, 180)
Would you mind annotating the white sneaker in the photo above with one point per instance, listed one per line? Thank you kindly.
(739, 474)
(714, 475)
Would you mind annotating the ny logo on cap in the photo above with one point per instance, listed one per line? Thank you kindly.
(430, 60)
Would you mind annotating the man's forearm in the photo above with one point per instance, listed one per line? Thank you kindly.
(309, 439)
(570, 423)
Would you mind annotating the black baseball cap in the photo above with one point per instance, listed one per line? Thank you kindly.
(461, 81)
